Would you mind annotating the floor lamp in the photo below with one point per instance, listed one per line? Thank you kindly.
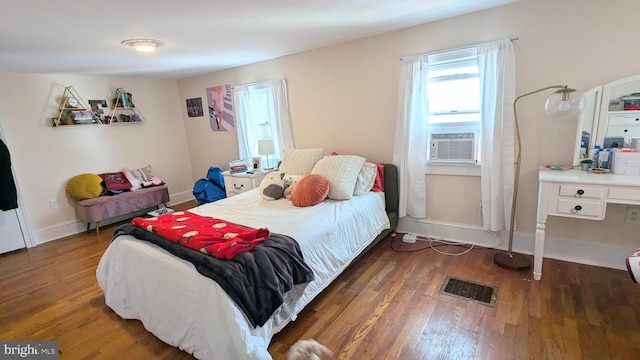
(559, 104)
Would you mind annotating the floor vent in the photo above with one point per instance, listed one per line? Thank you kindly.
(467, 290)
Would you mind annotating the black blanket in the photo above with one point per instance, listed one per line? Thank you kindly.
(256, 280)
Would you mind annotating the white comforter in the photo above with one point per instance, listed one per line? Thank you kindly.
(142, 281)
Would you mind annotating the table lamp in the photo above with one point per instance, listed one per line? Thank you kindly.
(266, 147)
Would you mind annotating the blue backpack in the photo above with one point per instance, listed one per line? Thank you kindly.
(211, 188)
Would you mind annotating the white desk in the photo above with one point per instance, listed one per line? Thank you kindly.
(579, 194)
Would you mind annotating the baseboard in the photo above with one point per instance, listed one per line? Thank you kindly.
(590, 253)
(61, 230)
(180, 198)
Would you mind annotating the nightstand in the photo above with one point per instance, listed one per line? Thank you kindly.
(240, 182)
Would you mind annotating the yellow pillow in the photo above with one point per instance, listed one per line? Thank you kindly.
(84, 186)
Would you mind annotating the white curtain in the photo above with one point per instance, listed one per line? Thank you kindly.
(280, 106)
(278, 114)
(242, 106)
(410, 147)
(496, 62)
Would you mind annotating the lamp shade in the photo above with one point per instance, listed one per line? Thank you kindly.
(265, 147)
(565, 102)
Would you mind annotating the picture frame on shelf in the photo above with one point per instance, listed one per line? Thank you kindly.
(98, 107)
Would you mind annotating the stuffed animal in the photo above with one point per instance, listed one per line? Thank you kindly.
(272, 186)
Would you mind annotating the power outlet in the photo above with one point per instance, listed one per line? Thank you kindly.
(53, 204)
(633, 215)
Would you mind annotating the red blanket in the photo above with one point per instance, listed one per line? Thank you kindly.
(208, 235)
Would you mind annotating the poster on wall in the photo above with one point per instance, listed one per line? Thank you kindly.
(194, 107)
(220, 107)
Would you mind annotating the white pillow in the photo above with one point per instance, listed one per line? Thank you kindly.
(366, 178)
(299, 161)
(342, 172)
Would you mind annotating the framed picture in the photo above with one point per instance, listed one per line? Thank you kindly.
(220, 101)
(257, 163)
(194, 107)
(97, 107)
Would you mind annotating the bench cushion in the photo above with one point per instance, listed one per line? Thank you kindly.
(106, 207)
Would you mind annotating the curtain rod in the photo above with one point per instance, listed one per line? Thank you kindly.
(257, 82)
(458, 48)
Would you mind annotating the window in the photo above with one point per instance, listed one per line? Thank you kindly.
(263, 114)
(453, 103)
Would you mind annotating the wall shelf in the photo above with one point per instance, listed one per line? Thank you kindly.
(123, 109)
(73, 110)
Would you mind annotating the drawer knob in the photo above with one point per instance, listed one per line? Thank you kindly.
(579, 193)
(238, 187)
(576, 209)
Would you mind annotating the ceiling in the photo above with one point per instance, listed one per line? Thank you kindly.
(83, 37)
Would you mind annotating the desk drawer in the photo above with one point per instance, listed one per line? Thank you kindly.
(625, 194)
(625, 119)
(582, 192)
(580, 208)
(237, 184)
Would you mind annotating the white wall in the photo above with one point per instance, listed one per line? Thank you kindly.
(44, 157)
(344, 98)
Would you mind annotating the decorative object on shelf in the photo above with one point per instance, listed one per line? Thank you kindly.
(586, 164)
(122, 99)
(560, 104)
(97, 107)
(266, 147)
(73, 110)
(123, 109)
(142, 45)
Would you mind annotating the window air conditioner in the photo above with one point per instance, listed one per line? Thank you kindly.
(453, 147)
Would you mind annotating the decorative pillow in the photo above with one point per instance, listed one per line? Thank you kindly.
(115, 181)
(310, 190)
(366, 178)
(146, 177)
(135, 183)
(143, 174)
(300, 161)
(84, 186)
(290, 180)
(272, 186)
(378, 184)
(342, 172)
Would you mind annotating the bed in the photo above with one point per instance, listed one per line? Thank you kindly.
(190, 311)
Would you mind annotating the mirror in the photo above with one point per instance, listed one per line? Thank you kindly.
(619, 117)
(587, 125)
(611, 117)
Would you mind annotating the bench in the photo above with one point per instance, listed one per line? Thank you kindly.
(107, 207)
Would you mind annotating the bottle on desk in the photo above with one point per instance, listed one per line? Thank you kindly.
(593, 155)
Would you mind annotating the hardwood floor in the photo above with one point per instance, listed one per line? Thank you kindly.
(387, 305)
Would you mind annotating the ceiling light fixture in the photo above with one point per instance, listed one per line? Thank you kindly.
(142, 45)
